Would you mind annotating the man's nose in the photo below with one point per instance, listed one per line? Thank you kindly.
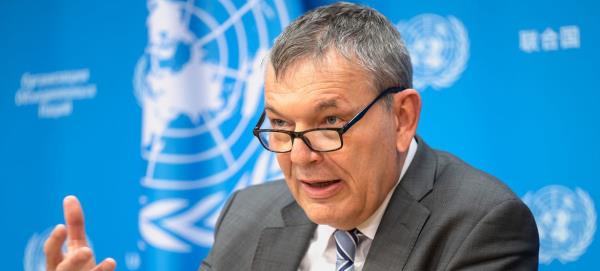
(301, 154)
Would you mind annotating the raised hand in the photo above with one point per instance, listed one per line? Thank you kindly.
(79, 256)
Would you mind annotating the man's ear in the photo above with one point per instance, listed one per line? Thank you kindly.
(407, 109)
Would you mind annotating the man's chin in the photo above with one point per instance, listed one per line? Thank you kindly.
(323, 220)
(323, 214)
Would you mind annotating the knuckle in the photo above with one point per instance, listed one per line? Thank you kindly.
(81, 257)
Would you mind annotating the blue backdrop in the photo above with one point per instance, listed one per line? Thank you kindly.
(144, 111)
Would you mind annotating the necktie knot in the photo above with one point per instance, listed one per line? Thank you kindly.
(346, 243)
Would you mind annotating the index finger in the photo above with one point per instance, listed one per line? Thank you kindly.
(75, 223)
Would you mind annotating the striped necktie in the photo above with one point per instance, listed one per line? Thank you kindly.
(346, 243)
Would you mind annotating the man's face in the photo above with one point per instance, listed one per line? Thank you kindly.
(344, 187)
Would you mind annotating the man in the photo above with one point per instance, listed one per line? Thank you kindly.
(361, 190)
(341, 115)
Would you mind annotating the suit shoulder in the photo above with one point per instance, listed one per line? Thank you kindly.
(454, 174)
(471, 215)
(261, 200)
(462, 196)
(267, 192)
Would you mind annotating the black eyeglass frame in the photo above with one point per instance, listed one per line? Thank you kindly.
(293, 134)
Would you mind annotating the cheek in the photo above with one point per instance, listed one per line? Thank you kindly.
(286, 168)
(283, 159)
(361, 155)
(353, 164)
(367, 161)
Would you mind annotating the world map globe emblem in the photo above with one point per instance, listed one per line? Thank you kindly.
(439, 49)
(566, 221)
(200, 83)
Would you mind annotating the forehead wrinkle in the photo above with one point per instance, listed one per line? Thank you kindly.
(335, 66)
(320, 105)
(316, 85)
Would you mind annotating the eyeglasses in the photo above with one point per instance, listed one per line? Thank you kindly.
(317, 139)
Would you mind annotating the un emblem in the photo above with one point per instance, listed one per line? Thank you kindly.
(439, 49)
(566, 222)
(200, 83)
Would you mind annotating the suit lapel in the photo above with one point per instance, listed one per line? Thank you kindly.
(405, 216)
(282, 248)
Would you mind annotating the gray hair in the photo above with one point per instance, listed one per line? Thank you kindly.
(360, 34)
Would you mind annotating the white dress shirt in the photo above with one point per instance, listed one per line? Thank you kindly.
(321, 253)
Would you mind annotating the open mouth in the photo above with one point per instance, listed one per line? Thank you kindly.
(322, 184)
(322, 189)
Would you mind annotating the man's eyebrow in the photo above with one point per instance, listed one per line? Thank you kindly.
(272, 109)
(326, 104)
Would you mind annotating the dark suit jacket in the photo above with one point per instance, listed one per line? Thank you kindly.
(444, 215)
